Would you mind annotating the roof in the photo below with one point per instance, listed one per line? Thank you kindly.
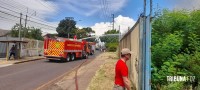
(13, 41)
(4, 32)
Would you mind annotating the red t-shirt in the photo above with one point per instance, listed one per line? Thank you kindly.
(121, 70)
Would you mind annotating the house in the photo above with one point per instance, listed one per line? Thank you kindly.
(3, 36)
(4, 33)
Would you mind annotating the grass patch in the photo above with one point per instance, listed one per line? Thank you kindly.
(104, 77)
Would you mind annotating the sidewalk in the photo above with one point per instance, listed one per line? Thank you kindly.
(84, 75)
(3, 61)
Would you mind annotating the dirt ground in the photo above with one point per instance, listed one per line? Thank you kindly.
(95, 75)
(104, 77)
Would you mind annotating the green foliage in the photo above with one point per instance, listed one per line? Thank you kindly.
(30, 32)
(88, 30)
(84, 32)
(175, 48)
(112, 32)
(193, 64)
(174, 86)
(66, 27)
(165, 49)
(110, 39)
(111, 47)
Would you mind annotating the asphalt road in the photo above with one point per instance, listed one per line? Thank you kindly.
(30, 75)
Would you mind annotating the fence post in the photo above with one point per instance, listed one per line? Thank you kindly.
(148, 54)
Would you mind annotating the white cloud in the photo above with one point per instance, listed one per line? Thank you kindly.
(79, 26)
(101, 27)
(124, 23)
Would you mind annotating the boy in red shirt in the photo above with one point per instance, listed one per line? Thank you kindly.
(121, 71)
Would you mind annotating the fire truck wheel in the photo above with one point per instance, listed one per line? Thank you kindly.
(68, 57)
(72, 57)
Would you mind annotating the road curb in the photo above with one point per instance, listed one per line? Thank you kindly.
(57, 79)
(28, 60)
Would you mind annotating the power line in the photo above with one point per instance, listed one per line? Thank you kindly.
(23, 6)
(102, 8)
(105, 9)
(9, 14)
(8, 18)
(9, 9)
(19, 13)
(28, 20)
(16, 5)
(108, 12)
(9, 5)
(23, 18)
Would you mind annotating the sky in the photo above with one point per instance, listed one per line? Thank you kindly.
(87, 13)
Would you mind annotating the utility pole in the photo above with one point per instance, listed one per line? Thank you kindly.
(119, 28)
(119, 33)
(20, 26)
(147, 48)
(25, 25)
(26, 18)
(113, 22)
(144, 7)
(151, 6)
(25, 21)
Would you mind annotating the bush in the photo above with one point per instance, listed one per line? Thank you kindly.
(111, 47)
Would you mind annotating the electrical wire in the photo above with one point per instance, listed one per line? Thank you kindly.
(51, 27)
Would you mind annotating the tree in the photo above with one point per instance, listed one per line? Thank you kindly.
(89, 30)
(84, 32)
(66, 28)
(112, 32)
(81, 33)
(29, 32)
(36, 33)
(15, 30)
(175, 48)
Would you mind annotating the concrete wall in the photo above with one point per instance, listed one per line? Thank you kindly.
(32, 48)
(131, 40)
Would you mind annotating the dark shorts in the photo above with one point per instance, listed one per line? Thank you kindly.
(118, 87)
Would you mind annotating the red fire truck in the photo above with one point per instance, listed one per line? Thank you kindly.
(65, 49)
